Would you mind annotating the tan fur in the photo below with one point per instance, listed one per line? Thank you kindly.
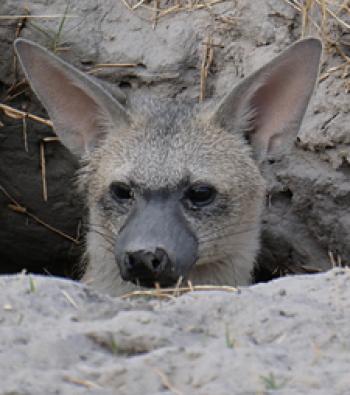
(227, 244)
(156, 144)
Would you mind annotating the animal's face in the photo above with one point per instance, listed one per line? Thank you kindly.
(172, 192)
(173, 188)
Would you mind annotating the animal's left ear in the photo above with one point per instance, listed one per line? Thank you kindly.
(269, 105)
(78, 105)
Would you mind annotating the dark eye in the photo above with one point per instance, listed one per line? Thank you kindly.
(201, 195)
(121, 192)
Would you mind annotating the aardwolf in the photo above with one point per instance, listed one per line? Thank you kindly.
(173, 188)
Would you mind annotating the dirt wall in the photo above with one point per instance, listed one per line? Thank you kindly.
(307, 211)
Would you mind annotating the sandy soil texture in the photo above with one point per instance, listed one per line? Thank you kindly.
(290, 336)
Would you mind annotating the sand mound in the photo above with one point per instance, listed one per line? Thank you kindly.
(287, 336)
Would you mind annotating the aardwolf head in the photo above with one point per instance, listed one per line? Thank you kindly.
(173, 188)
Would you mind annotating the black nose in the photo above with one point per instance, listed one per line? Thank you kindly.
(147, 267)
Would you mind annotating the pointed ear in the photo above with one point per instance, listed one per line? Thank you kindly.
(269, 105)
(78, 106)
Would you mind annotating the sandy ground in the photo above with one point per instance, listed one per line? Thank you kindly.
(290, 336)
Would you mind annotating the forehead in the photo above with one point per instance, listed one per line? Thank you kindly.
(170, 142)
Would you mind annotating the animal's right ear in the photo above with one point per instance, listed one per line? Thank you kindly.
(77, 105)
(269, 105)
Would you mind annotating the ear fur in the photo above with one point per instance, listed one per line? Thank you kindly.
(269, 105)
(77, 104)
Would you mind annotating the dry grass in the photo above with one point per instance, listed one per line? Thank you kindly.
(154, 10)
(20, 209)
(157, 9)
(166, 382)
(26, 16)
(70, 299)
(322, 16)
(100, 66)
(207, 60)
(330, 19)
(14, 113)
(81, 382)
(171, 293)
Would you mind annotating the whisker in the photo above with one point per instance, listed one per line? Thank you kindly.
(105, 237)
(215, 257)
(89, 224)
(222, 236)
(229, 225)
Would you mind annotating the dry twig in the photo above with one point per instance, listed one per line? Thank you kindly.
(170, 293)
(100, 66)
(18, 114)
(18, 208)
(43, 170)
(24, 133)
(207, 60)
(166, 382)
(85, 383)
(53, 16)
(70, 299)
